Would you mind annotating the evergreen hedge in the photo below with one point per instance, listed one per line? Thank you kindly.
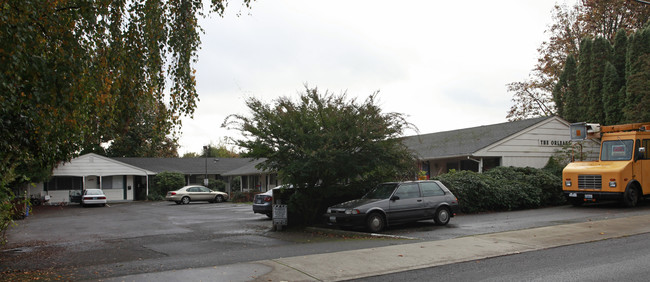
(504, 188)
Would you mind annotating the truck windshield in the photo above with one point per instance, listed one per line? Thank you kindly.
(617, 150)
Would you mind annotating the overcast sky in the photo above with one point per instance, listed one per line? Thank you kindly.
(444, 64)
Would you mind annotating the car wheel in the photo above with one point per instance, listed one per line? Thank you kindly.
(82, 205)
(375, 222)
(218, 199)
(269, 215)
(630, 197)
(442, 216)
(185, 200)
(178, 202)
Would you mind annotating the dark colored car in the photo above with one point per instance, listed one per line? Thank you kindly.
(263, 203)
(394, 203)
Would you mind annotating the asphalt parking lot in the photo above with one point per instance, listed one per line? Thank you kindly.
(136, 237)
(143, 237)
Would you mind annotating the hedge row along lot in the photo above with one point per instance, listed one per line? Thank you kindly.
(504, 188)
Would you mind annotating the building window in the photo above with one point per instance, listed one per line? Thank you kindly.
(64, 183)
(112, 182)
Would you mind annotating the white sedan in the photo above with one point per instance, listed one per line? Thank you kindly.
(93, 197)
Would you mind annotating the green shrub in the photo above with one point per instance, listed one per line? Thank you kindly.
(217, 185)
(164, 182)
(504, 188)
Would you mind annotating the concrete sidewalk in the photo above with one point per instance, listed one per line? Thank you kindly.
(377, 261)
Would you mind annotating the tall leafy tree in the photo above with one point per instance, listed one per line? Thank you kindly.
(570, 25)
(75, 74)
(326, 144)
(613, 102)
(600, 56)
(565, 94)
(619, 54)
(584, 76)
(638, 76)
(324, 139)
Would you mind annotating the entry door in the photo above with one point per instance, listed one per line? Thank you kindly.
(409, 206)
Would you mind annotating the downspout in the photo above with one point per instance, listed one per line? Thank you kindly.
(147, 177)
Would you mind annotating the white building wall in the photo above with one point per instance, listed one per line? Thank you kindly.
(533, 147)
(114, 194)
(536, 162)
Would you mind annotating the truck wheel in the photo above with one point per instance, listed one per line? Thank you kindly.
(631, 197)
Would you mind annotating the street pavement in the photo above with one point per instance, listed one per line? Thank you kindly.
(345, 265)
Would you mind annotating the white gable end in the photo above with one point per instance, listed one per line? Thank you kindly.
(93, 164)
(533, 146)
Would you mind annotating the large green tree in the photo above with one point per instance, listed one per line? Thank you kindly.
(588, 18)
(76, 74)
(326, 144)
(637, 76)
(603, 94)
(324, 139)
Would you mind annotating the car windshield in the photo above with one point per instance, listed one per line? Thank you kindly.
(93, 192)
(617, 150)
(382, 191)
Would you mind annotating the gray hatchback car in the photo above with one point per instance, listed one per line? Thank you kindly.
(394, 203)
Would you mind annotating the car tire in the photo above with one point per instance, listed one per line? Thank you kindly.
(631, 197)
(269, 215)
(218, 199)
(442, 216)
(185, 200)
(375, 222)
(82, 205)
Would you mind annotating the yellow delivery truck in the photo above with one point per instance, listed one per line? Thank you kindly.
(622, 171)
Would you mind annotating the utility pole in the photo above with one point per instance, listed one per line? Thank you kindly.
(205, 154)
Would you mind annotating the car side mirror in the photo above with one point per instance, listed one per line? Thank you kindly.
(394, 198)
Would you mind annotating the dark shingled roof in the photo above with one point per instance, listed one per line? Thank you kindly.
(465, 142)
(248, 169)
(192, 166)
